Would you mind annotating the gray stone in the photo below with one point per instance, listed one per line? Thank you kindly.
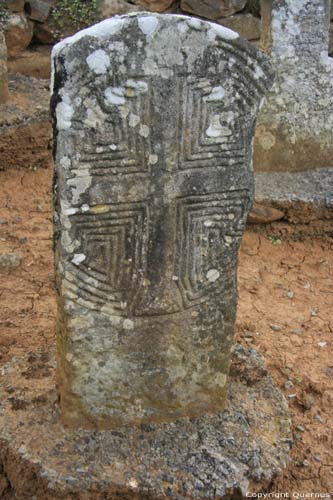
(313, 186)
(295, 126)
(108, 8)
(212, 9)
(3, 70)
(38, 10)
(222, 456)
(15, 5)
(154, 118)
(18, 34)
(246, 25)
(9, 261)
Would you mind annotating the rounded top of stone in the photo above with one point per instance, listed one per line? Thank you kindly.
(149, 23)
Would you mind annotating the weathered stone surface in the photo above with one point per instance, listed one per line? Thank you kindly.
(220, 456)
(295, 127)
(38, 10)
(3, 70)
(9, 261)
(246, 25)
(155, 5)
(15, 5)
(330, 47)
(212, 9)
(313, 187)
(108, 8)
(154, 118)
(18, 34)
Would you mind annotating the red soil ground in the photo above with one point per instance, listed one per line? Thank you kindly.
(285, 311)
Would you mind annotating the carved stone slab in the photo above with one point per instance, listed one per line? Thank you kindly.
(154, 119)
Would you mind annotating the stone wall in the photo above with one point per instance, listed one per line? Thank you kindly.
(288, 139)
(46, 21)
(295, 129)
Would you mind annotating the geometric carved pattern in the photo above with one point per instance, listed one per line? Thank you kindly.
(114, 243)
(117, 147)
(206, 225)
(198, 113)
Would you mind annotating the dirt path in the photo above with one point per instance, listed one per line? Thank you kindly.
(285, 311)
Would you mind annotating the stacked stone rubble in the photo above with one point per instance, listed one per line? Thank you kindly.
(32, 21)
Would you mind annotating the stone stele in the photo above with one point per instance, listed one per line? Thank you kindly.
(154, 119)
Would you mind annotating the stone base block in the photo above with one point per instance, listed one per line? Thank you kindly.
(216, 456)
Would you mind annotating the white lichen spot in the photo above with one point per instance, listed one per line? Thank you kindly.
(148, 24)
(115, 320)
(78, 258)
(182, 27)
(85, 208)
(134, 120)
(65, 162)
(115, 96)
(166, 73)
(69, 357)
(216, 94)
(128, 324)
(79, 184)
(215, 128)
(153, 159)
(70, 211)
(101, 30)
(221, 32)
(144, 130)
(98, 61)
(258, 73)
(95, 117)
(212, 275)
(113, 147)
(209, 223)
(136, 87)
(132, 483)
(195, 23)
(220, 379)
(64, 113)
(228, 239)
(67, 242)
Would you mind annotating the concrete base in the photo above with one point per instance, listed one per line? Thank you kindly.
(216, 456)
